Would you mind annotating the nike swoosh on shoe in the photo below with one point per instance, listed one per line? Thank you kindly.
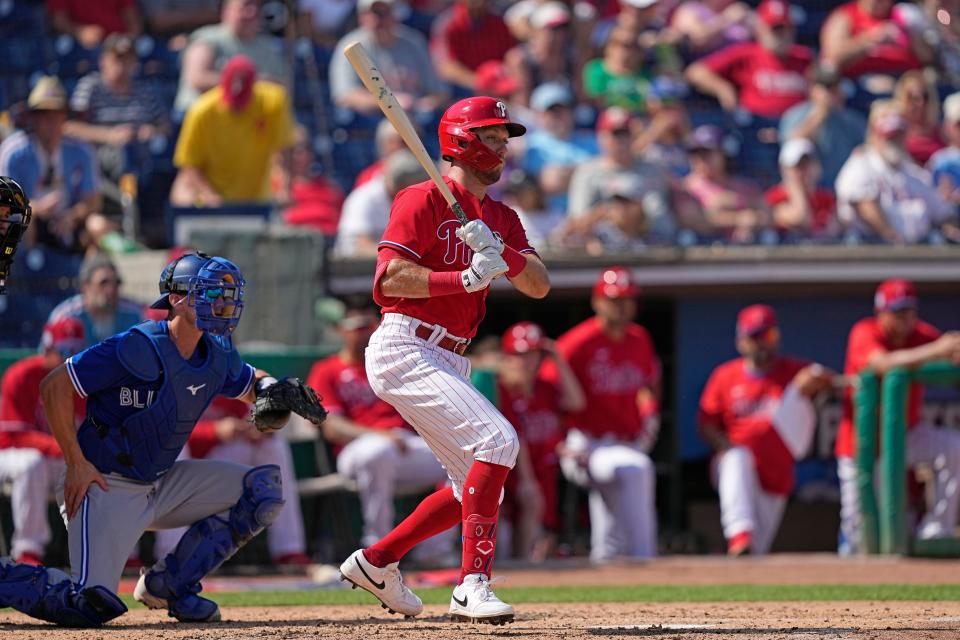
(378, 585)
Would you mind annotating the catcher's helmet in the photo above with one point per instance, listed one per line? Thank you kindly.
(15, 216)
(459, 142)
(522, 337)
(213, 286)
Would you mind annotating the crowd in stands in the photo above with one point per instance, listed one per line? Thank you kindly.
(652, 122)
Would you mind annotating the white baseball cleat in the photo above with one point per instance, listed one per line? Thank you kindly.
(475, 601)
(144, 597)
(385, 583)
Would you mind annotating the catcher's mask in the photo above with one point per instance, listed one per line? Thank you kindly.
(15, 216)
(216, 294)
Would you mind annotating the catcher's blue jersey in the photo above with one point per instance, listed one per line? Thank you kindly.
(143, 398)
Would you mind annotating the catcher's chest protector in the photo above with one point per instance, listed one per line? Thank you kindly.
(149, 441)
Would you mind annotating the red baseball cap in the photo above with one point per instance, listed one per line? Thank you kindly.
(895, 294)
(493, 79)
(65, 335)
(614, 119)
(522, 337)
(237, 80)
(616, 282)
(755, 319)
(774, 13)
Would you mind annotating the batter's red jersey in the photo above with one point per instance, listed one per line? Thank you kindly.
(865, 340)
(204, 437)
(741, 403)
(347, 393)
(539, 424)
(23, 422)
(611, 374)
(422, 229)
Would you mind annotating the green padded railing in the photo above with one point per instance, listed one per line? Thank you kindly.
(884, 517)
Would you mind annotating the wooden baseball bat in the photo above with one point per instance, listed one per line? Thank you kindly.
(373, 80)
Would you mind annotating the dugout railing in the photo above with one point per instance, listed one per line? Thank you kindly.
(880, 410)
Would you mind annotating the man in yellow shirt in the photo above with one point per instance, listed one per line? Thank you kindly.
(229, 138)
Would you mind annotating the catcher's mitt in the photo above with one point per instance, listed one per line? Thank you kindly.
(275, 402)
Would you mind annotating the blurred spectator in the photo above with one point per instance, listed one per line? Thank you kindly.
(869, 36)
(229, 138)
(733, 207)
(465, 36)
(548, 55)
(315, 200)
(645, 21)
(800, 207)
(524, 195)
(756, 415)
(589, 184)
(941, 29)
(834, 129)
(387, 140)
(379, 450)
(114, 109)
(324, 20)
(607, 450)
(210, 47)
(619, 223)
(225, 432)
(400, 54)
(30, 458)
(168, 18)
(556, 148)
(366, 210)
(536, 407)
(663, 140)
(918, 103)
(895, 337)
(58, 174)
(618, 78)
(883, 194)
(766, 77)
(89, 22)
(945, 164)
(707, 25)
(99, 305)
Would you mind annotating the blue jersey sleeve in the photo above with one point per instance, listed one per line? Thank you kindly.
(97, 368)
(237, 384)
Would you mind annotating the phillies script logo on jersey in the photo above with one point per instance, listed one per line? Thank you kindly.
(610, 378)
(744, 406)
(457, 251)
(135, 398)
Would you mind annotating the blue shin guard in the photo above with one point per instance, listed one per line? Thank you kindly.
(37, 592)
(208, 543)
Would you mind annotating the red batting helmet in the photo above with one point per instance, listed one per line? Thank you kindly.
(457, 140)
(522, 337)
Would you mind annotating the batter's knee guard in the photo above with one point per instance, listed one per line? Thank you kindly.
(208, 543)
(33, 591)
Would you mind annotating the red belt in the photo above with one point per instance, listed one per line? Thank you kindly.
(448, 343)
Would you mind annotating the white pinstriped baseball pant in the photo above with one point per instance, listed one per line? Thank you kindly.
(430, 387)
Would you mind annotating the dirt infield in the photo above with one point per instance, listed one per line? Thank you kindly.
(676, 621)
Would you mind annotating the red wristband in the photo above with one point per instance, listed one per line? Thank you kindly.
(445, 283)
(515, 260)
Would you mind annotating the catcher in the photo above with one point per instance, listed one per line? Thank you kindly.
(145, 390)
(14, 221)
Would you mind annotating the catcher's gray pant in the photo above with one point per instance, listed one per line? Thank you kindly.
(430, 387)
(109, 523)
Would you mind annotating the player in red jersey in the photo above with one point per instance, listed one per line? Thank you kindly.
(536, 407)
(896, 337)
(29, 455)
(431, 281)
(619, 371)
(375, 446)
(756, 414)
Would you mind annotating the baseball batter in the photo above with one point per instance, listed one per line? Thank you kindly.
(896, 337)
(432, 280)
(606, 451)
(740, 418)
(15, 214)
(29, 455)
(145, 389)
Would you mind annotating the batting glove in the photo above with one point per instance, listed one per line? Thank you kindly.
(478, 236)
(484, 267)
